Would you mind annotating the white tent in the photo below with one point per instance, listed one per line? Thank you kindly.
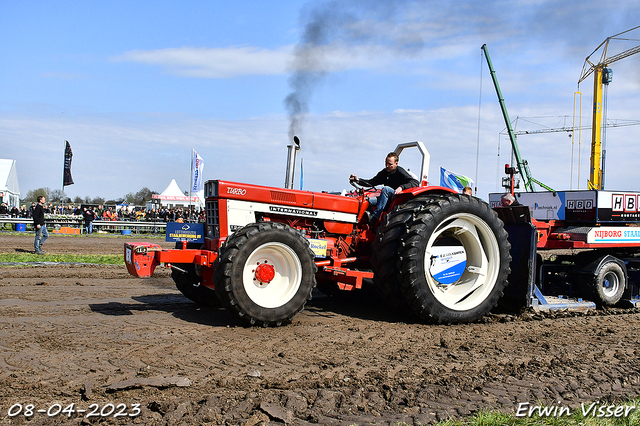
(9, 191)
(173, 196)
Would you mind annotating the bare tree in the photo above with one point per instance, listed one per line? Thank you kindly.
(33, 194)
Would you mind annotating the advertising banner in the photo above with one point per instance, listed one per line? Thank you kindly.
(197, 172)
(68, 154)
(189, 232)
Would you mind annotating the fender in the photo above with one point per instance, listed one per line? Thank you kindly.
(591, 268)
(411, 193)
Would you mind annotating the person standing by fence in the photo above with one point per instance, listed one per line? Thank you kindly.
(88, 216)
(41, 228)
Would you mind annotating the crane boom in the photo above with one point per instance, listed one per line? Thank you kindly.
(523, 166)
(589, 67)
(569, 129)
(599, 71)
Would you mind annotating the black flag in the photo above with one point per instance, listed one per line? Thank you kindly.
(68, 154)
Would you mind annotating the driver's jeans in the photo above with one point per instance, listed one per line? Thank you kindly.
(380, 202)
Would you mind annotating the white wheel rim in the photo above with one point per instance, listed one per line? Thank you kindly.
(285, 283)
(610, 284)
(482, 262)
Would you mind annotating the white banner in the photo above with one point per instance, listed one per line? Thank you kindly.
(198, 167)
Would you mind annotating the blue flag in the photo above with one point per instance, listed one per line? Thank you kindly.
(452, 180)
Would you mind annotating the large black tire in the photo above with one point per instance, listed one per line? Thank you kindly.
(607, 285)
(384, 257)
(190, 285)
(265, 273)
(453, 259)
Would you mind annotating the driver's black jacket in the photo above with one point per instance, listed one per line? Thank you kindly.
(397, 178)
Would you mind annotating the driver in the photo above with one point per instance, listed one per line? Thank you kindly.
(394, 178)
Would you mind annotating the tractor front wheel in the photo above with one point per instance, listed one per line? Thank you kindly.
(265, 273)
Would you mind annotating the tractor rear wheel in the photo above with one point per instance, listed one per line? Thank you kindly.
(388, 240)
(190, 285)
(265, 273)
(454, 259)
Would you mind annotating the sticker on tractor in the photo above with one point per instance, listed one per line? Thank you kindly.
(190, 232)
(319, 247)
(448, 263)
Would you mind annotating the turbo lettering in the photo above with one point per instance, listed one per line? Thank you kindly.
(236, 191)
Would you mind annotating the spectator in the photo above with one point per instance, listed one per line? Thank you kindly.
(508, 200)
(107, 214)
(89, 217)
(41, 228)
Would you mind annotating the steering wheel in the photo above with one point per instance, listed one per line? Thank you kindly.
(360, 185)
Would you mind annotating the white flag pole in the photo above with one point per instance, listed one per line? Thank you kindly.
(191, 181)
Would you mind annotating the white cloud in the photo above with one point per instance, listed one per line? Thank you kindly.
(225, 62)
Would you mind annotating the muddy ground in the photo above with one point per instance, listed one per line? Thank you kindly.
(85, 337)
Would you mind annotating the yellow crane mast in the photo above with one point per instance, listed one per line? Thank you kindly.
(601, 76)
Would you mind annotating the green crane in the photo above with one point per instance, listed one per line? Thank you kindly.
(523, 166)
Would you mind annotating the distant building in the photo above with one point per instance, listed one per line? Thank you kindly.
(9, 190)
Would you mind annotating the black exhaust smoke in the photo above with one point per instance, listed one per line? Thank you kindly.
(341, 24)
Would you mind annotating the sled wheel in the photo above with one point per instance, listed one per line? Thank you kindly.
(454, 260)
(190, 285)
(266, 273)
(608, 284)
(384, 257)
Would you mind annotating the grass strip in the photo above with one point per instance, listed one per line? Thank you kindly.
(598, 414)
(101, 259)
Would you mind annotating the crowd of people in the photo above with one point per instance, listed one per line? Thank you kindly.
(127, 213)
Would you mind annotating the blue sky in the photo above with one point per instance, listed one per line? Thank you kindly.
(134, 86)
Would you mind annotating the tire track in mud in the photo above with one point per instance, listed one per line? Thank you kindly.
(343, 360)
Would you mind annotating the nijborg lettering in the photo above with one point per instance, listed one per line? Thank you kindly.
(608, 234)
(617, 234)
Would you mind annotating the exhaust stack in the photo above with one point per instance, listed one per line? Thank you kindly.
(291, 162)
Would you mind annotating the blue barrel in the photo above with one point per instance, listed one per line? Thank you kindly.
(21, 227)
(126, 232)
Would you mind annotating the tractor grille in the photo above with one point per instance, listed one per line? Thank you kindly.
(213, 219)
(211, 188)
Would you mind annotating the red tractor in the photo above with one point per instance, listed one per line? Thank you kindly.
(443, 255)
